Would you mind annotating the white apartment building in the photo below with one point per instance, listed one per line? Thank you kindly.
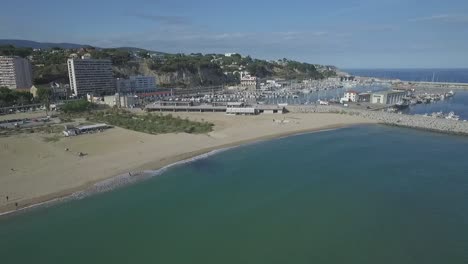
(15, 73)
(136, 84)
(91, 76)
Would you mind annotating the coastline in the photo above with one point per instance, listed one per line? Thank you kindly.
(156, 167)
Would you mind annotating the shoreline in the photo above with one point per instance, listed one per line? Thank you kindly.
(150, 170)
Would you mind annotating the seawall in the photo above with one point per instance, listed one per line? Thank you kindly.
(411, 121)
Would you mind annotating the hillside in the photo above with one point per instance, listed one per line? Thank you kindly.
(39, 45)
(171, 70)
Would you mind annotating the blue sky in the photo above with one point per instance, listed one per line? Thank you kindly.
(348, 34)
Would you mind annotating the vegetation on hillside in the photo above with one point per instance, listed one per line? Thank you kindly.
(50, 66)
(119, 57)
(194, 69)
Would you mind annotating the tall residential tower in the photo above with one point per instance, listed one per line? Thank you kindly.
(15, 73)
(91, 76)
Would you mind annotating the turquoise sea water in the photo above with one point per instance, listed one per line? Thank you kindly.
(370, 194)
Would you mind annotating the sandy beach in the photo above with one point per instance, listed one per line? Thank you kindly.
(34, 171)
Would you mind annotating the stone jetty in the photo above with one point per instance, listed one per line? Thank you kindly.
(411, 121)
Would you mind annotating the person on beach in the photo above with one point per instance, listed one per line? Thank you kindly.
(16, 204)
(7, 198)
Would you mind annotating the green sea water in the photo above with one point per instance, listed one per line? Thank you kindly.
(369, 194)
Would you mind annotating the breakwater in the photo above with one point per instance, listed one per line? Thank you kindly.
(431, 86)
(394, 119)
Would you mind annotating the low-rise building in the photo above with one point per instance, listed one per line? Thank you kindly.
(388, 97)
(136, 84)
(123, 101)
(350, 96)
(364, 97)
(241, 111)
(75, 131)
(270, 109)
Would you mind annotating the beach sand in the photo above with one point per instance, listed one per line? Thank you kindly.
(34, 171)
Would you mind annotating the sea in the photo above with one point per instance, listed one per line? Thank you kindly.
(363, 194)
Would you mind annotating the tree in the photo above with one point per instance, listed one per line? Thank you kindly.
(23, 97)
(44, 95)
(7, 97)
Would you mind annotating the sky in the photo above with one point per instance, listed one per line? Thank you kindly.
(344, 33)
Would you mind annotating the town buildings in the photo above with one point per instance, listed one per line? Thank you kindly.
(136, 84)
(229, 54)
(15, 73)
(91, 76)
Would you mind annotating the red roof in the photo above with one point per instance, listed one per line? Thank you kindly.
(353, 92)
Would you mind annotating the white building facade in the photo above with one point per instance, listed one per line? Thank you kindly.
(91, 76)
(250, 82)
(350, 96)
(136, 84)
(124, 101)
(388, 97)
(15, 73)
